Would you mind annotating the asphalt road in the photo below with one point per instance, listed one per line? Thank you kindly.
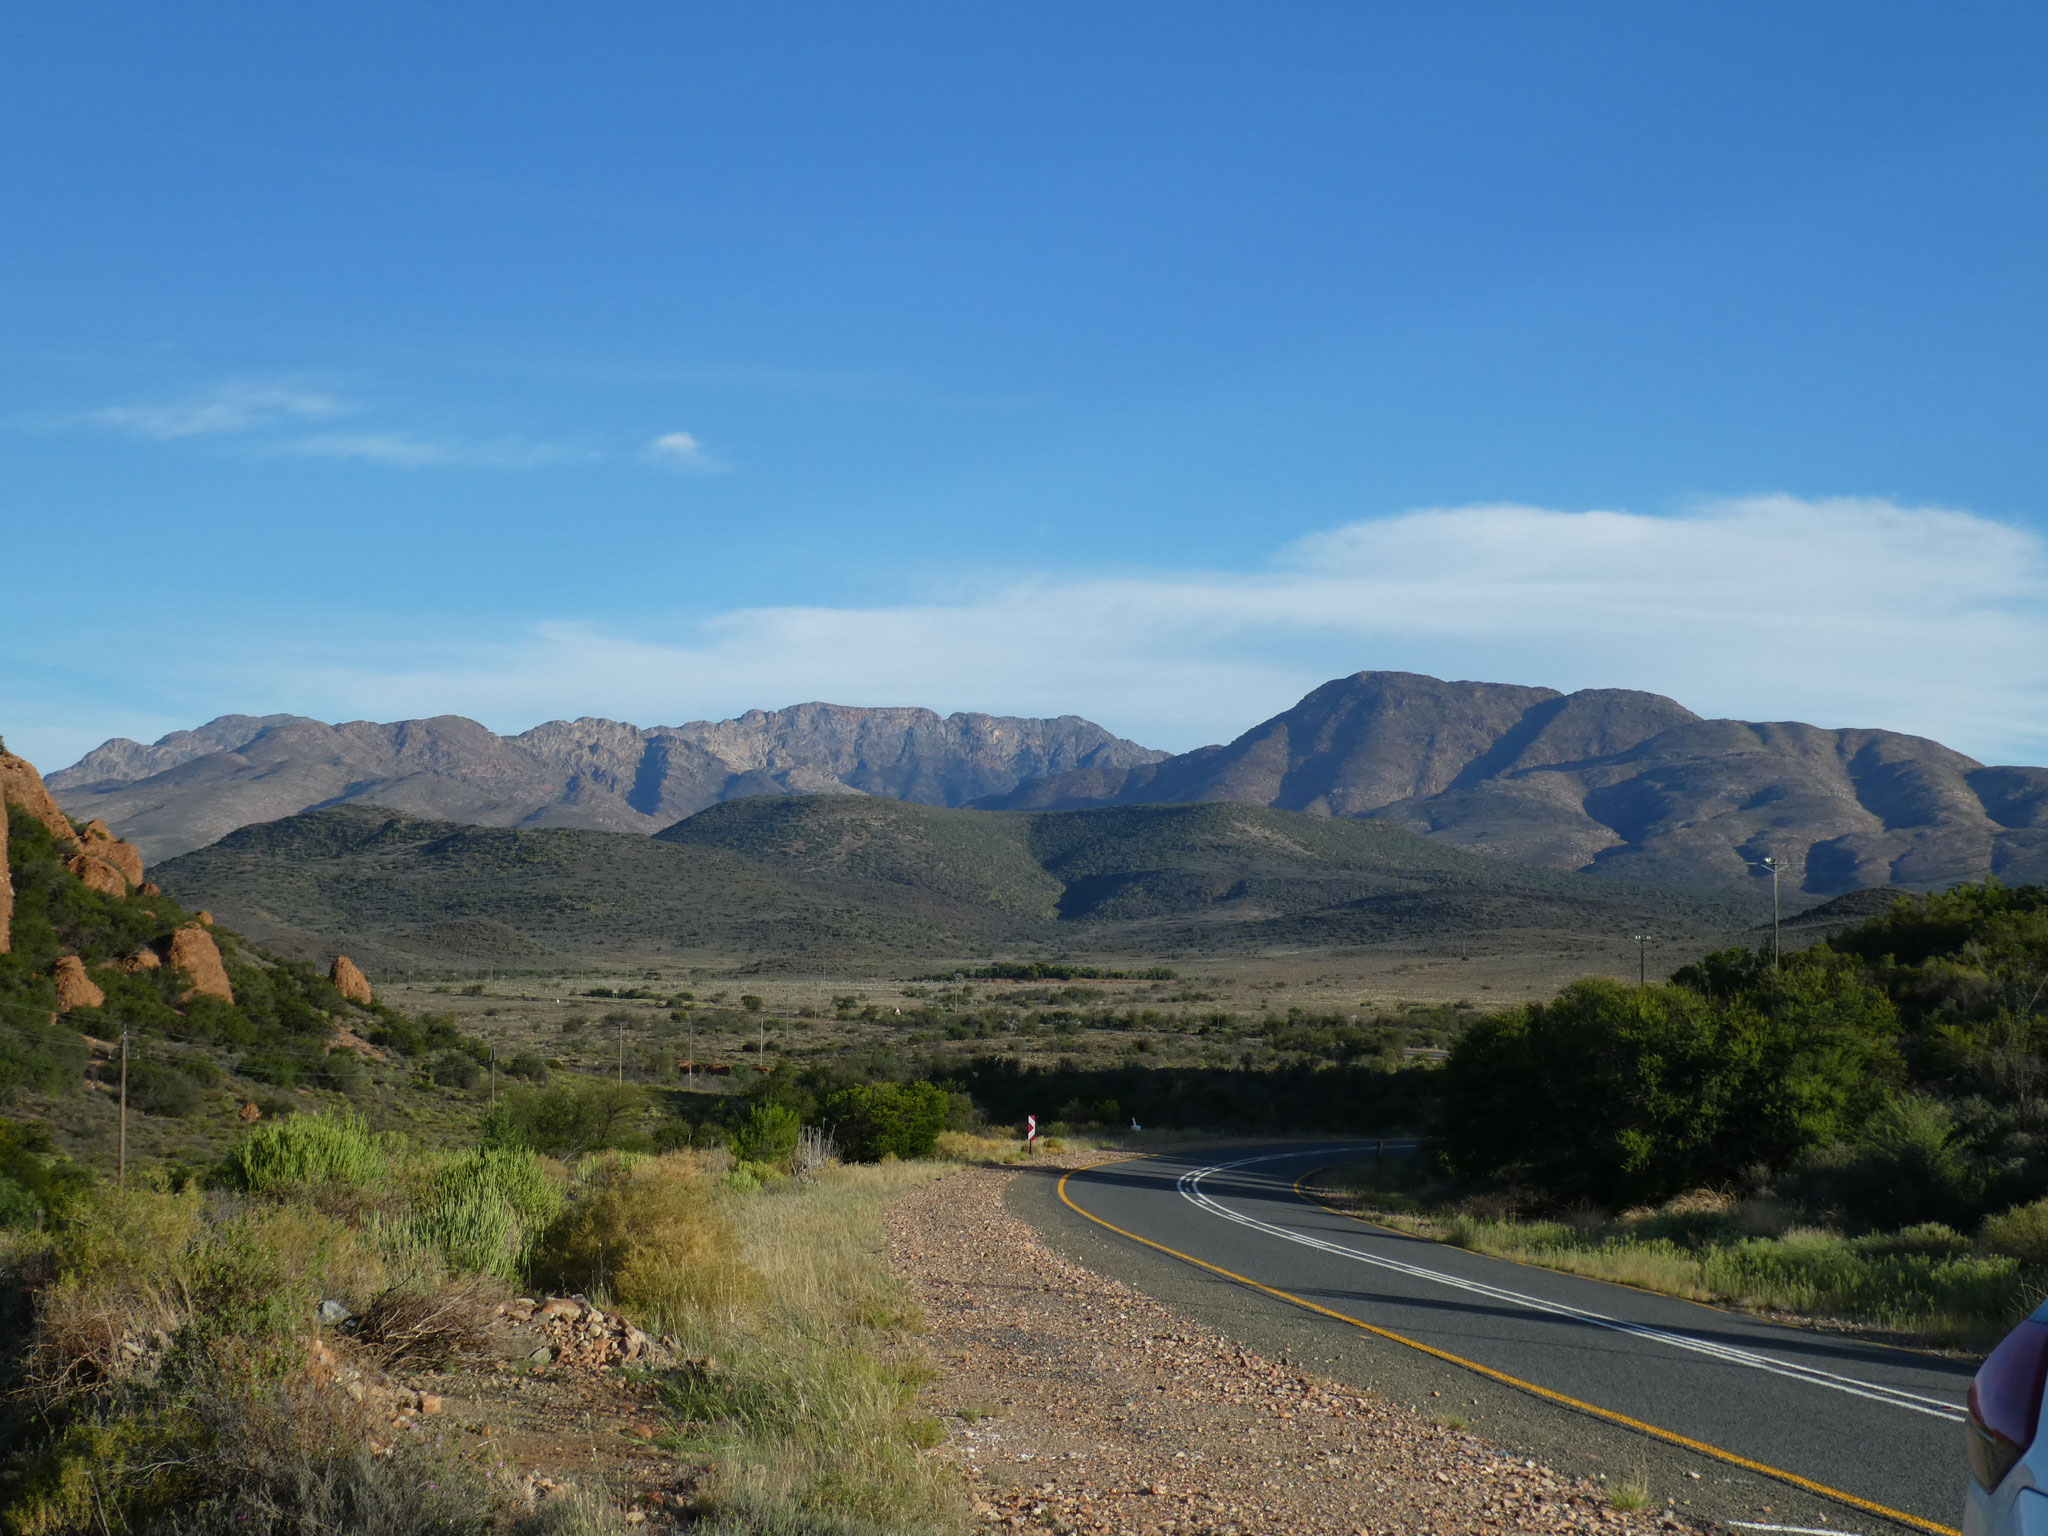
(1737, 1420)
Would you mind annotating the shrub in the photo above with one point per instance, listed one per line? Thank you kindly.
(2020, 1233)
(158, 1089)
(30, 1163)
(878, 1120)
(567, 1117)
(45, 1058)
(769, 1136)
(487, 1211)
(652, 1235)
(456, 1069)
(330, 1148)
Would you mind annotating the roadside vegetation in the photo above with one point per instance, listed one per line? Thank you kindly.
(162, 1343)
(1857, 1132)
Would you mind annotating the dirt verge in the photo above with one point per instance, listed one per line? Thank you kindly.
(1077, 1405)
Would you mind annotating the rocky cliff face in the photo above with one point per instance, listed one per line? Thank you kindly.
(194, 787)
(1612, 781)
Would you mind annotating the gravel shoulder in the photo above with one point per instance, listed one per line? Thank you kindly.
(1076, 1403)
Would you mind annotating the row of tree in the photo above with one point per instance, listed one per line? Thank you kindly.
(1891, 1074)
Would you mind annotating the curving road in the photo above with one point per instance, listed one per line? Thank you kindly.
(1760, 1426)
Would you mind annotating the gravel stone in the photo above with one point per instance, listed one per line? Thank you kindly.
(1076, 1405)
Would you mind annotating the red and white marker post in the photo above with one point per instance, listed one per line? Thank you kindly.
(1031, 1132)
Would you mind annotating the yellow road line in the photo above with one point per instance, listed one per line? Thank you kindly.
(1670, 1436)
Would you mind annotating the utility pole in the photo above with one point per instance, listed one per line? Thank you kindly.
(622, 1053)
(122, 1176)
(494, 1071)
(1643, 943)
(1770, 862)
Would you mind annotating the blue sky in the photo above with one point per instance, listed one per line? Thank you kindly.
(1152, 362)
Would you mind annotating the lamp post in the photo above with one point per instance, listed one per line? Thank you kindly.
(1643, 943)
(1770, 862)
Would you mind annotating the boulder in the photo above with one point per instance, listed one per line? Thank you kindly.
(144, 959)
(204, 919)
(97, 842)
(249, 1113)
(75, 989)
(194, 952)
(348, 980)
(97, 875)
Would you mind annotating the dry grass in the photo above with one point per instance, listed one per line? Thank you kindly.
(809, 1409)
(406, 1329)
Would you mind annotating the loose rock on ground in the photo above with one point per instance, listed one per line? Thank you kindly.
(1075, 1404)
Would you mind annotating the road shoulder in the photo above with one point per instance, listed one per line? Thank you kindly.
(1075, 1402)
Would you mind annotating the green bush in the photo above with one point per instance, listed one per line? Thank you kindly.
(487, 1211)
(30, 1162)
(769, 1136)
(2020, 1233)
(456, 1069)
(568, 1116)
(334, 1147)
(45, 1058)
(157, 1088)
(1624, 1095)
(18, 1208)
(876, 1120)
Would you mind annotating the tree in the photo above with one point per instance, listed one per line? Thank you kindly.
(1619, 1094)
(769, 1136)
(877, 1120)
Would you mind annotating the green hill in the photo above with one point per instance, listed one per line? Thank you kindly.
(829, 881)
(404, 890)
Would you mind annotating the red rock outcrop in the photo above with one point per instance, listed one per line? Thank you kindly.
(97, 875)
(193, 951)
(97, 842)
(204, 919)
(144, 959)
(103, 861)
(349, 980)
(75, 989)
(22, 786)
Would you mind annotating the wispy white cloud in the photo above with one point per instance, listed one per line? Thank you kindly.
(681, 451)
(284, 420)
(231, 408)
(1840, 612)
(400, 450)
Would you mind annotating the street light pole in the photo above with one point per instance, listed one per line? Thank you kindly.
(1643, 943)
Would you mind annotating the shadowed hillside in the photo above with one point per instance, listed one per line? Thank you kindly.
(835, 879)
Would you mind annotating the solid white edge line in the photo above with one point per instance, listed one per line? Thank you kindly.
(1189, 1187)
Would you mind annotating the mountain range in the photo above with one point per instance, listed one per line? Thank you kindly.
(1604, 781)
(194, 787)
